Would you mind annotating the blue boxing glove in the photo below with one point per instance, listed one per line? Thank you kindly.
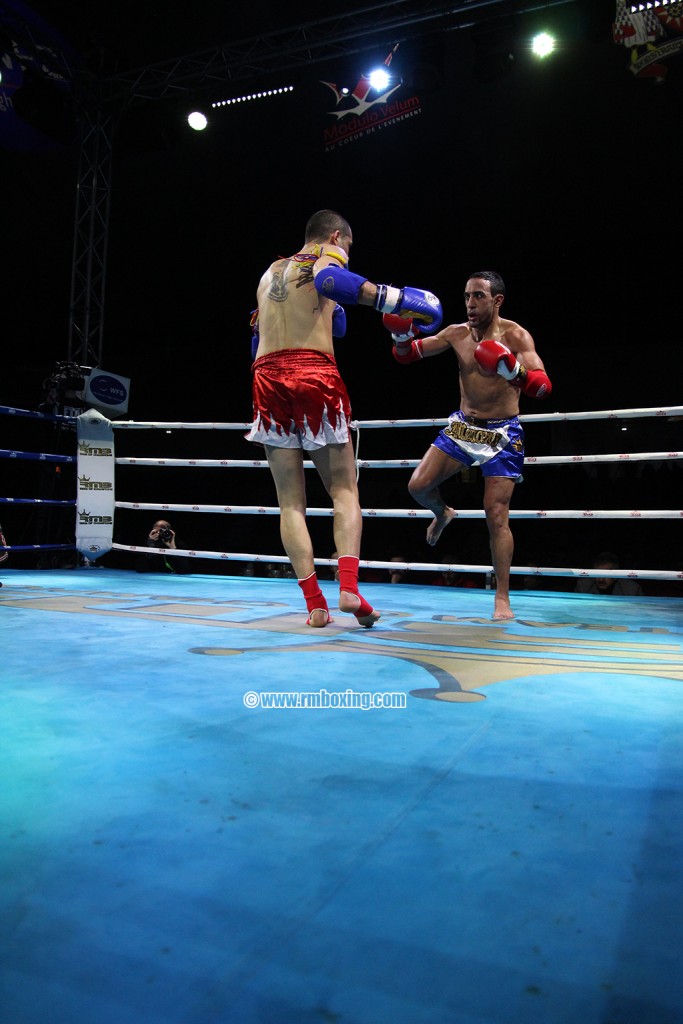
(255, 337)
(411, 304)
(340, 284)
(338, 322)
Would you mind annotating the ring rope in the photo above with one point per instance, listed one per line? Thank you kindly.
(665, 411)
(630, 574)
(674, 411)
(37, 547)
(553, 417)
(8, 453)
(410, 513)
(39, 501)
(671, 411)
(533, 460)
(8, 410)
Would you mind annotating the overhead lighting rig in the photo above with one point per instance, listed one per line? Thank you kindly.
(253, 96)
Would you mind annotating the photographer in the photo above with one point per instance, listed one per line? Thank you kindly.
(162, 535)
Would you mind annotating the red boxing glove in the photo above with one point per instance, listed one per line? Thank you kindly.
(535, 383)
(408, 352)
(493, 358)
(403, 332)
(402, 328)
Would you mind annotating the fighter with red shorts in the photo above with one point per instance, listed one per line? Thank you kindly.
(301, 403)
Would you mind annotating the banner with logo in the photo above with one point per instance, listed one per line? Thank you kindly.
(367, 109)
(95, 497)
(107, 392)
(652, 34)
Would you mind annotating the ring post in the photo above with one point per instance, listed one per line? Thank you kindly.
(95, 497)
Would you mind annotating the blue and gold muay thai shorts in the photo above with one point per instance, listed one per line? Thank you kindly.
(496, 446)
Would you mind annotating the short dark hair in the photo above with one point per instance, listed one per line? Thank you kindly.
(494, 279)
(323, 224)
(605, 558)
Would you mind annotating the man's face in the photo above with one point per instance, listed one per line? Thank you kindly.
(604, 582)
(481, 306)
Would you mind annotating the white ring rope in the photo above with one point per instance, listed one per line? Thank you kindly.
(533, 460)
(526, 570)
(672, 412)
(409, 513)
(553, 417)
(632, 514)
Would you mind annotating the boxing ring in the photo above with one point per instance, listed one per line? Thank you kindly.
(447, 819)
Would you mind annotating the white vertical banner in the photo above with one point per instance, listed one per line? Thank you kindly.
(95, 496)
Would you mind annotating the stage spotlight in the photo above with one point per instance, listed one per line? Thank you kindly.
(542, 45)
(379, 79)
(197, 120)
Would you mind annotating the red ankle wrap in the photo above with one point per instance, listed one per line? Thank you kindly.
(312, 593)
(348, 580)
(348, 573)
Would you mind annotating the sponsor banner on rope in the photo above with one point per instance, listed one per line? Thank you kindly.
(95, 497)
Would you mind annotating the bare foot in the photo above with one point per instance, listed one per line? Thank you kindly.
(502, 609)
(438, 525)
(318, 618)
(357, 606)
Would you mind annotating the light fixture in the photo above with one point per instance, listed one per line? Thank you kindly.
(379, 79)
(253, 96)
(542, 45)
(197, 120)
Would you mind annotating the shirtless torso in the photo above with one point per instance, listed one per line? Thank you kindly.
(489, 398)
(486, 398)
(292, 314)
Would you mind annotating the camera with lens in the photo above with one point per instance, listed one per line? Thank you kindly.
(166, 535)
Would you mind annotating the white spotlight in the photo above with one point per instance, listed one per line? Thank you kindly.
(379, 79)
(543, 44)
(197, 120)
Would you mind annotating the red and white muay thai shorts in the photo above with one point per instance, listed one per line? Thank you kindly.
(300, 400)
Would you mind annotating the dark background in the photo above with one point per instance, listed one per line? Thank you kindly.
(561, 175)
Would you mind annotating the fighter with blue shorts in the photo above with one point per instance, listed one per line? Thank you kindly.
(497, 361)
